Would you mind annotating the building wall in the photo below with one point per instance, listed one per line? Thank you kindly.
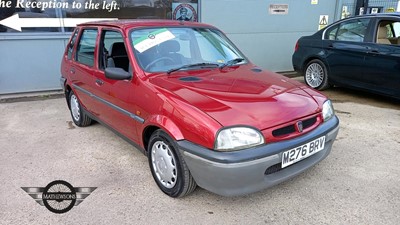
(267, 39)
(30, 62)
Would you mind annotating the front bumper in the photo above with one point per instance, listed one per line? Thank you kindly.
(250, 170)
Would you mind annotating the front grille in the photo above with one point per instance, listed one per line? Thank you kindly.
(309, 122)
(291, 128)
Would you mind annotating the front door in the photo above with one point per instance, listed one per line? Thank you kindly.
(118, 109)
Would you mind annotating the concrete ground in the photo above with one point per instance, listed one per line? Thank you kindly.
(358, 183)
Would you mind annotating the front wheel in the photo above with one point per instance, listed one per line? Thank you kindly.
(167, 166)
(316, 75)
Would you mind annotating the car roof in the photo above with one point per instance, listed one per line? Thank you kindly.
(375, 15)
(140, 23)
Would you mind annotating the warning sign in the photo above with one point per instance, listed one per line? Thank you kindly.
(323, 21)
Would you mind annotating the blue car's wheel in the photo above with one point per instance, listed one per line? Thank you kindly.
(316, 75)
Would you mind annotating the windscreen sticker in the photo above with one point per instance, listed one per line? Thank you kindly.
(152, 39)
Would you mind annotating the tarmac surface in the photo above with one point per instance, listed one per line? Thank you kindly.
(358, 183)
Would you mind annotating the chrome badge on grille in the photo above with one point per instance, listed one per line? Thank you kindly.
(299, 126)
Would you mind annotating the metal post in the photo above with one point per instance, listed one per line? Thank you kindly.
(398, 6)
(361, 7)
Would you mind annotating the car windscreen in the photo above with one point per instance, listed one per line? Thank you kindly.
(166, 49)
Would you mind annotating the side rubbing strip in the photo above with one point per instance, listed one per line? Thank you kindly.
(119, 109)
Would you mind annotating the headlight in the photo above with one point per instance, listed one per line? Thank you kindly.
(236, 138)
(327, 110)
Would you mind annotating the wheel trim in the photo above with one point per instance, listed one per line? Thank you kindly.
(315, 75)
(164, 164)
(75, 110)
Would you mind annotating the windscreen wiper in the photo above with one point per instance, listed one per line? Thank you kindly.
(231, 62)
(202, 65)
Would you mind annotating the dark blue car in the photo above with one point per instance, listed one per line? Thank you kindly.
(361, 52)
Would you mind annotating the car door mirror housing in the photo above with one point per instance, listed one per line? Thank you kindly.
(116, 73)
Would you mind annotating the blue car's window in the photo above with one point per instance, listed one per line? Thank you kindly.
(396, 29)
(353, 30)
(331, 33)
(388, 32)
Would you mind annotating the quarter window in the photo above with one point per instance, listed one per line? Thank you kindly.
(331, 33)
(86, 46)
(72, 44)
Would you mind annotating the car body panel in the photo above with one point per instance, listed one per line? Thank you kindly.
(241, 96)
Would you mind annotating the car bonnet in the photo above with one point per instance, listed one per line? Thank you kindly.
(241, 95)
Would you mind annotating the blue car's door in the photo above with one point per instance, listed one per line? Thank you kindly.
(382, 63)
(346, 61)
(346, 50)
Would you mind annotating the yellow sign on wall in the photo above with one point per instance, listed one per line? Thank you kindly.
(323, 21)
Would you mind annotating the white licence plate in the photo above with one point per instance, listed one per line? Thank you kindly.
(301, 152)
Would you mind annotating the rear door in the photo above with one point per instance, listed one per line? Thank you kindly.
(383, 61)
(82, 69)
(346, 50)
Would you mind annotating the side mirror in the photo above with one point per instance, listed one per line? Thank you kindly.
(116, 73)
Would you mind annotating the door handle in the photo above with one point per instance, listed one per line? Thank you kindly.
(72, 70)
(373, 52)
(99, 82)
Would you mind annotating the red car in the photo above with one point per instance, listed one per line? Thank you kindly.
(204, 115)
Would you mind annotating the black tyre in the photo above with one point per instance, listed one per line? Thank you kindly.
(316, 75)
(167, 166)
(77, 113)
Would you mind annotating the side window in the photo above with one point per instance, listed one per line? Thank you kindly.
(388, 32)
(396, 29)
(86, 46)
(72, 44)
(353, 30)
(331, 33)
(113, 51)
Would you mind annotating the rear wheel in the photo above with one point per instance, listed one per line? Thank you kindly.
(77, 113)
(316, 75)
(167, 166)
